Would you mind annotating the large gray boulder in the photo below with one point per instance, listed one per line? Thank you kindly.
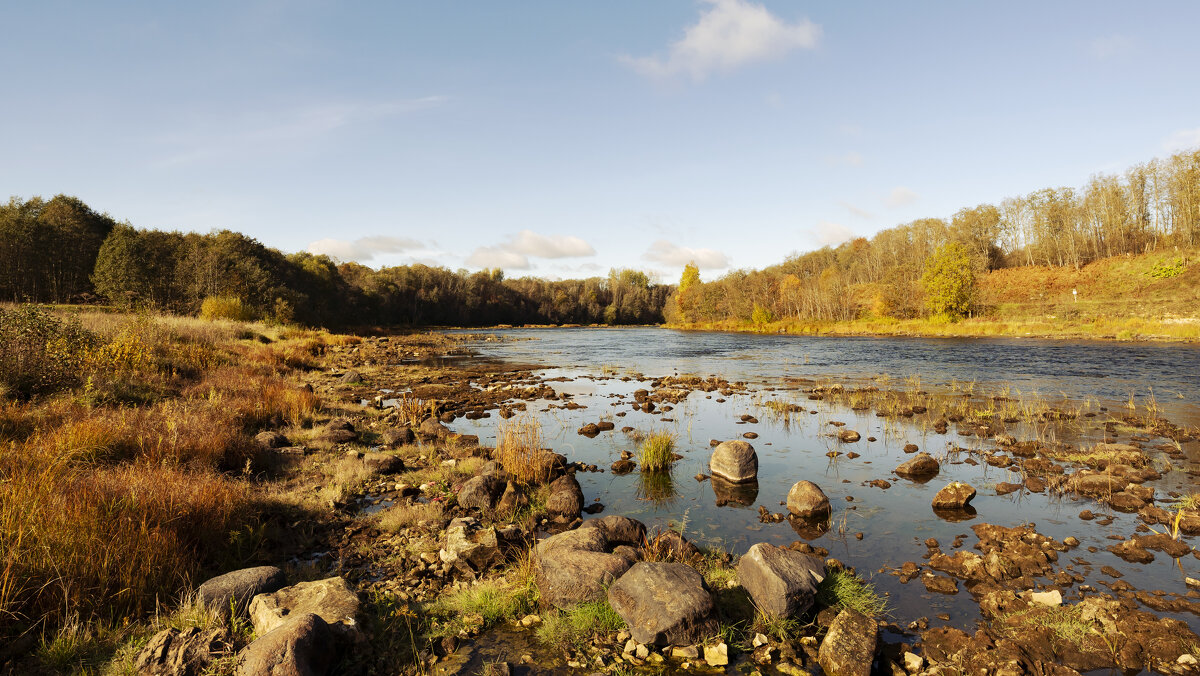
(920, 466)
(576, 566)
(849, 646)
(664, 603)
(566, 499)
(734, 461)
(300, 646)
(806, 500)
(234, 590)
(332, 599)
(481, 492)
(782, 582)
(182, 652)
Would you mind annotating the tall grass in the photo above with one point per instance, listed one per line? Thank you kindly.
(657, 452)
(519, 450)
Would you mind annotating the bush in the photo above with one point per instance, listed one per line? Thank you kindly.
(40, 354)
(949, 281)
(226, 307)
(761, 315)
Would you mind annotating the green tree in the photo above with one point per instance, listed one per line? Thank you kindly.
(949, 281)
(689, 289)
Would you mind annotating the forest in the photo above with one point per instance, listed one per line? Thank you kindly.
(60, 250)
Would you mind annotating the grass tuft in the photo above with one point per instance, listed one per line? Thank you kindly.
(842, 589)
(657, 452)
(579, 625)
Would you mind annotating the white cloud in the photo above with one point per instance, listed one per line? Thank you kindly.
(729, 34)
(861, 213)
(899, 197)
(531, 243)
(667, 253)
(498, 257)
(850, 159)
(1109, 46)
(1184, 139)
(831, 234)
(363, 249)
(515, 253)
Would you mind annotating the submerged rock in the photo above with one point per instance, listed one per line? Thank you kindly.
(734, 461)
(807, 500)
(664, 603)
(782, 582)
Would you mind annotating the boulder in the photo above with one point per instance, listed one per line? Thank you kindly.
(619, 529)
(849, 646)
(921, 465)
(734, 461)
(383, 463)
(512, 501)
(270, 439)
(470, 548)
(807, 500)
(182, 652)
(235, 590)
(339, 431)
(956, 495)
(432, 428)
(623, 466)
(351, 377)
(782, 582)
(663, 603)
(590, 430)
(481, 492)
(332, 599)
(399, 436)
(848, 436)
(566, 499)
(575, 566)
(300, 646)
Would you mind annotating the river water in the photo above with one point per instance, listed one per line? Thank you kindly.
(603, 367)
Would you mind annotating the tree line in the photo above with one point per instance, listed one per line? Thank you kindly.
(927, 267)
(60, 250)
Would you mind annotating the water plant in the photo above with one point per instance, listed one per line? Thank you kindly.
(657, 451)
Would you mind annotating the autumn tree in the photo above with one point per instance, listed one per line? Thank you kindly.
(949, 281)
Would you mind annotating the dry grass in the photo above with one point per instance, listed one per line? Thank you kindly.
(397, 518)
(519, 450)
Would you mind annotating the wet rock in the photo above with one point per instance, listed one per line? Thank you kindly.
(619, 530)
(235, 590)
(663, 603)
(1096, 485)
(807, 500)
(782, 582)
(919, 466)
(750, 435)
(332, 599)
(481, 492)
(911, 448)
(956, 495)
(737, 494)
(1125, 502)
(470, 549)
(431, 428)
(566, 499)
(605, 425)
(1004, 488)
(734, 461)
(939, 584)
(182, 652)
(300, 646)
(849, 646)
(590, 430)
(848, 436)
(1131, 552)
(880, 483)
(623, 466)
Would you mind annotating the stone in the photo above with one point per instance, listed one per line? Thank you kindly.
(1096, 485)
(566, 499)
(956, 495)
(469, 548)
(182, 652)
(921, 465)
(481, 492)
(619, 529)
(383, 463)
(399, 436)
(270, 439)
(332, 599)
(1047, 598)
(663, 603)
(575, 566)
(807, 500)
(716, 655)
(351, 377)
(432, 428)
(848, 436)
(623, 466)
(849, 646)
(913, 662)
(734, 461)
(939, 584)
(338, 432)
(782, 582)
(300, 646)
(235, 590)
(511, 501)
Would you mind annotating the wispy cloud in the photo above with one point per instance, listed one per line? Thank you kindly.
(857, 211)
(1110, 46)
(272, 131)
(363, 249)
(728, 35)
(667, 253)
(514, 254)
(899, 197)
(1184, 139)
(830, 234)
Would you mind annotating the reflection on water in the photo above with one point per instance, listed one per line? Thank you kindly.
(796, 438)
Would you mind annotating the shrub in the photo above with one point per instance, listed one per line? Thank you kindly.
(226, 307)
(40, 354)
(1167, 269)
(761, 315)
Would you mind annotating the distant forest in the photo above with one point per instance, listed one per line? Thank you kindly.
(60, 250)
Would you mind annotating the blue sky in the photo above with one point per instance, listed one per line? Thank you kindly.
(560, 139)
